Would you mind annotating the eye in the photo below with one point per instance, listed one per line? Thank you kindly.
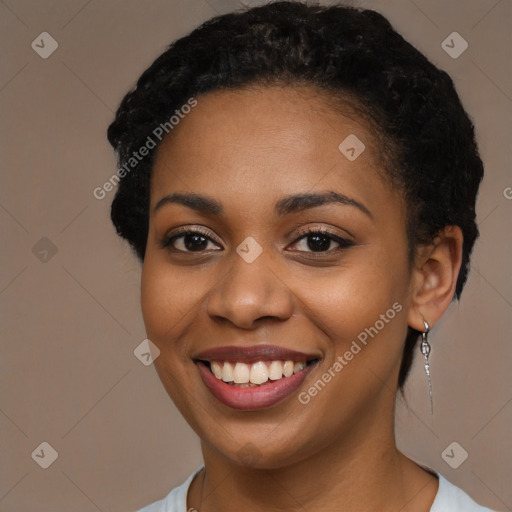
(189, 240)
(320, 240)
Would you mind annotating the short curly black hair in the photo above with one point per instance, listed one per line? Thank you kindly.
(344, 52)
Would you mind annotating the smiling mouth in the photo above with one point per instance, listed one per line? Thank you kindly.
(250, 378)
(257, 374)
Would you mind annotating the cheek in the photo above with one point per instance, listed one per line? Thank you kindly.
(167, 300)
(344, 303)
(361, 312)
(168, 296)
(156, 300)
(364, 322)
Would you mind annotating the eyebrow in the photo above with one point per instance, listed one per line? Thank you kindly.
(285, 206)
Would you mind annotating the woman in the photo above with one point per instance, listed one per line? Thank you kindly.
(286, 181)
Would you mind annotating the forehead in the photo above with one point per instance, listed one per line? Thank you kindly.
(262, 142)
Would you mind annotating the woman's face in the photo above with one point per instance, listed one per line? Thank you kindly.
(251, 172)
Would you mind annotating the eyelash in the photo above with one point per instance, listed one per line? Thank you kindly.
(344, 243)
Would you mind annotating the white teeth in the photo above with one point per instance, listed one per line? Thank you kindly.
(217, 369)
(259, 373)
(288, 368)
(227, 372)
(297, 367)
(275, 370)
(241, 373)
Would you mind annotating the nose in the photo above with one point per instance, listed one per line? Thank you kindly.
(248, 293)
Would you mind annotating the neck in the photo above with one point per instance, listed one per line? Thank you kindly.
(363, 471)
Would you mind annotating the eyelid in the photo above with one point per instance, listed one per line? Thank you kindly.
(167, 240)
(324, 230)
(194, 228)
(342, 241)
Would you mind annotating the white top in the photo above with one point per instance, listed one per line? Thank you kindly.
(448, 499)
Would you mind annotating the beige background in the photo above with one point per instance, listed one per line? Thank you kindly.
(69, 324)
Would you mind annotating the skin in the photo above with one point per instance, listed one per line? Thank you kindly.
(247, 149)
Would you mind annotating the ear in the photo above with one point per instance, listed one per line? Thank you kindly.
(434, 277)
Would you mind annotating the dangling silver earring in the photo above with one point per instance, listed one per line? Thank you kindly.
(425, 350)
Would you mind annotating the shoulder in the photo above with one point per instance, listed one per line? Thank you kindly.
(450, 498)
(175, 501)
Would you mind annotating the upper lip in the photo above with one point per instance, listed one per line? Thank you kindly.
(252, 354)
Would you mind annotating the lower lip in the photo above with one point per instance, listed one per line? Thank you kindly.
(258, 397)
